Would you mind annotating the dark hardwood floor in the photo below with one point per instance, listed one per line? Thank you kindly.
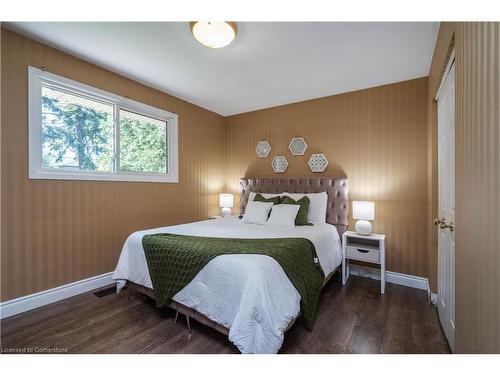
(351, 319)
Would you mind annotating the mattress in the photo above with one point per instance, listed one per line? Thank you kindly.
(247, 293)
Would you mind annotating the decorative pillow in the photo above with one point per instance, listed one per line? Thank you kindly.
(257, 212)
(259, 198)
(283, 215)
(252, 195)
(303, 202)
(317, 205)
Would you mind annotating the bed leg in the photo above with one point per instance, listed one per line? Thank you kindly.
(176, 316)
(130, 290)
(188, 323)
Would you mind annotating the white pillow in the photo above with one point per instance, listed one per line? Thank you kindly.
(317, 205)
(257, 212)
(252, 195)
(283, 215)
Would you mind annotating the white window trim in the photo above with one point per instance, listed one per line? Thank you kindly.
(35, 79)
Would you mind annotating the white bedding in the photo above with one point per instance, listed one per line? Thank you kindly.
(248, 293)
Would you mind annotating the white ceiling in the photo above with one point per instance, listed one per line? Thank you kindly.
(268, 64)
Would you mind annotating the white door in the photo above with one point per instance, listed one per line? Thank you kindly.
(446, 197)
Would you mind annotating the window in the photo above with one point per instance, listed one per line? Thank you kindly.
(142, 143)
(78, 132)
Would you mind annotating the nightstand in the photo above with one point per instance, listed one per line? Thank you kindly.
(369, 249)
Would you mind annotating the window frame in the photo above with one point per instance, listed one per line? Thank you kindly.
(37, 77)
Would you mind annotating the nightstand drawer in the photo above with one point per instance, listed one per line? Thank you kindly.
(360, 253)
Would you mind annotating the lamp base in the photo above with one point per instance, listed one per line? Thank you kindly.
(363, 227)
(226, 211)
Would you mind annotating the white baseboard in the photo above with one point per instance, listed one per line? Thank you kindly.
(433, 297)
(32, 301)
(391, 277)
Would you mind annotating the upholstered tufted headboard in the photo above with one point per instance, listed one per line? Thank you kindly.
(337, 189)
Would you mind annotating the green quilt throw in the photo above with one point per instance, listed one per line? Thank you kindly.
(174, 260)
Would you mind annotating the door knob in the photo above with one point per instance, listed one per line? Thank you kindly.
(439, 221)
(450, 225)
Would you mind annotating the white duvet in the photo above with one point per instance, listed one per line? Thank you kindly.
(248, 293)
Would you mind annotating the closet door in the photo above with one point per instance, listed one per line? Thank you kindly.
(446, 197)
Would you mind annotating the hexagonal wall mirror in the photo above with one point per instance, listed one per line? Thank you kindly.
(318, 163)
(297, 146)
(279, 164)
(263, 149)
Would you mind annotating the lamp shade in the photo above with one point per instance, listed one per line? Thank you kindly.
(363, 210)
(226, 200)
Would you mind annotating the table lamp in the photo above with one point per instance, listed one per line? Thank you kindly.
(363, 211)
(226, 203)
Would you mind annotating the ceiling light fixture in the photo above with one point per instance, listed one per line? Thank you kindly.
(212, 34)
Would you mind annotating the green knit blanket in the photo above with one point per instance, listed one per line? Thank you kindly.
(174, 260)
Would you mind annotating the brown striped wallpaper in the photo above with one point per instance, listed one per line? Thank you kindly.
(56, 232)
(478, 187)
(377, 137)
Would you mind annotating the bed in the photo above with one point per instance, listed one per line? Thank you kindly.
(248, 297)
